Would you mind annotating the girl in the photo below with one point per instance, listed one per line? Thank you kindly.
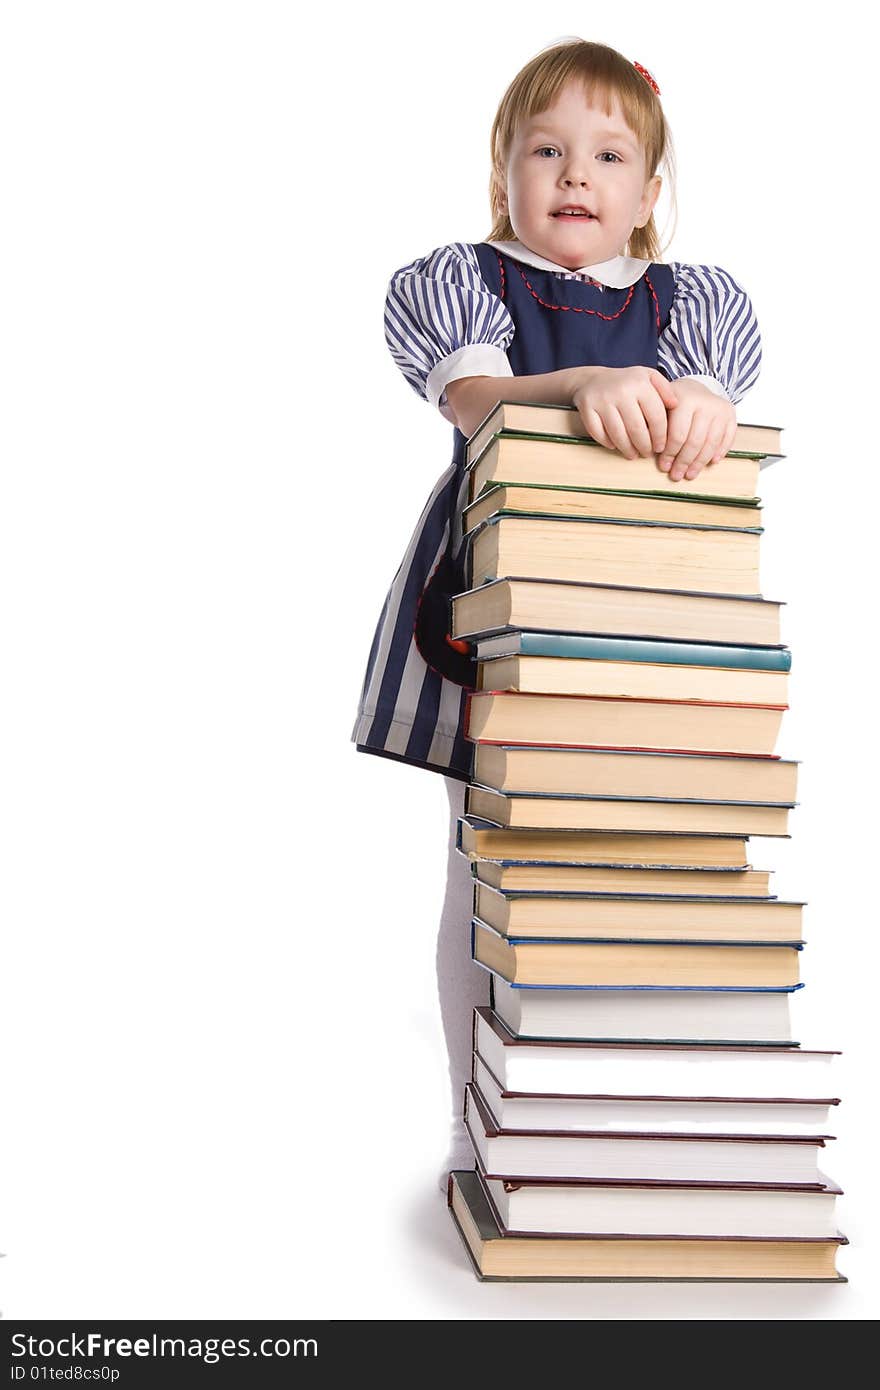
(567, 302)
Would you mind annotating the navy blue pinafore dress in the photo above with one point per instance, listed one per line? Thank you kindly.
(414, 692)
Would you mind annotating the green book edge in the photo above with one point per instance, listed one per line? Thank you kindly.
(614, 521)
(620, 492)
(592, 443)
(553, 405)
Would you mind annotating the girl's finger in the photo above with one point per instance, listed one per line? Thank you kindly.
(616, 430)
(654, 413)
(714, 441)
(689, 450)
(728, 434)
(637, 429)
(595, 429)
(663, 388)
(678, 431)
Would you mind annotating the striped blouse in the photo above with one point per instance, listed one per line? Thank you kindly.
(442, 322)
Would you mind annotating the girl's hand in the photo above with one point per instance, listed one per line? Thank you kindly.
(624, 408)
(700, 430)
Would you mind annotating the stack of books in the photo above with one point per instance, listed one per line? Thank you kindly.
(638, 1106)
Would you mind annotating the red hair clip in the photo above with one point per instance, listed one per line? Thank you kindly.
(647, 76)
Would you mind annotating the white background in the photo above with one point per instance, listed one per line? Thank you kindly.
(224, 1077)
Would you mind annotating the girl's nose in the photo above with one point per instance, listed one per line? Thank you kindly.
(575, 175)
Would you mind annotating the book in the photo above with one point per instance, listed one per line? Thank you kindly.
(615, 552)
(534, 500)
(604, 917)
(533, 811)
(519, 768)
(760, 442)
(619, 610)
(666, 1157)
(497, 1256)
(687, 1016)
(633, 962)
(720, 1071)
(668, 726)
(534, 456)
(583, 645)
(475, 836)
(660, 1114)
(552, 1206)
(589, 878)
(551, 675)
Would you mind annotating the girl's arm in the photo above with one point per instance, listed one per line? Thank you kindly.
(442, 322)
(711, 350)
(623, 408)
(470, 398)
(712, 335)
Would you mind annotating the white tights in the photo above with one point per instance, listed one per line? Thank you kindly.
(461, 983)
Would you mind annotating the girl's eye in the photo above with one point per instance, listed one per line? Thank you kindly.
(604, 156)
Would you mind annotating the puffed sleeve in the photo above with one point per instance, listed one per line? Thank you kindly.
(712, 332)
(442, 322)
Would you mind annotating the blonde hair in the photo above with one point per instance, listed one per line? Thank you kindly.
(604, 74)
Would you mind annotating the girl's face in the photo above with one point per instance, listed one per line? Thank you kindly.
(574, 153)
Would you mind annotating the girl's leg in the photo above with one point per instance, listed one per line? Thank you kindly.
(461, 983)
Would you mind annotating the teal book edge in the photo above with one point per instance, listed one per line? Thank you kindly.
(661, 653)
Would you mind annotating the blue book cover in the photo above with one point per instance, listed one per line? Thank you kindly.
(640, 941)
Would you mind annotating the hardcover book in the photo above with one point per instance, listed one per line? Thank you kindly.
(760, 443)
(605, 722)
(574, 847)
(654, 1114)
(666, 1157)
(646, 680)
(617, 610)
(569, 811)
(585, 878)
(686, 1015)
(583, 646)
(520, 768)
(557, 961)
(718, 1070)
(631, 917)
(554, 1206)
(497, 1256)
(532, 499)
(615, 552)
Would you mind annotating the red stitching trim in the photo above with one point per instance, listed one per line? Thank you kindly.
(573, 308)
(654, 295)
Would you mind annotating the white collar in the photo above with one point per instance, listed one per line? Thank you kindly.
(617, 274)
